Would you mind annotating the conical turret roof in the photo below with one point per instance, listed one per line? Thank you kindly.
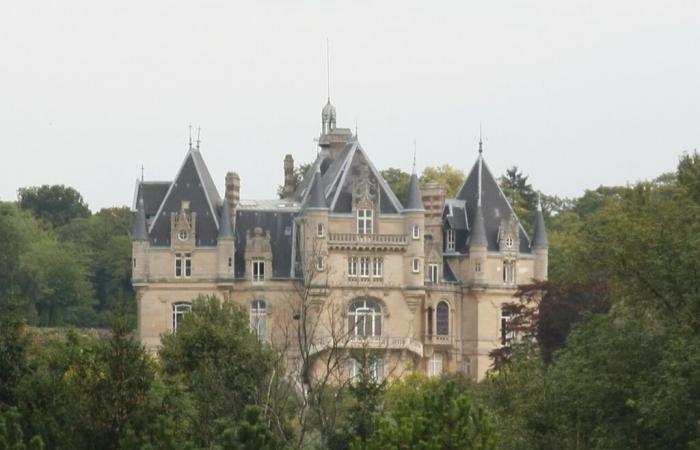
(139, 231)
(478, 232)
(414, 202)
(316, 197)
(539, 235)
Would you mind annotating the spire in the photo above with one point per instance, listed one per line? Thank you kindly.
(328, 70)
(316, 198)
(138, 231)
(539, 235)
(414, 201)
(481, 164)
(225, 227)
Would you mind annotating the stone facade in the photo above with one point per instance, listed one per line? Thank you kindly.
(422, 285)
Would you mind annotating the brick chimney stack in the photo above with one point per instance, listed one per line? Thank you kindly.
(288, 176)
(233, 191)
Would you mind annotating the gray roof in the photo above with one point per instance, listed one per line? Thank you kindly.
(495, 206)
(153, 193)
(478, 231)
(139, 232)
(225, 225)
(193, 183)
(280, 225)
(316, 199)
(539, 235)
(456, 213)
(338, 177)
(414, 202)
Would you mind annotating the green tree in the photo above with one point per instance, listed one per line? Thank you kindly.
(11, 434)
(433, 415)
(398, 182)
(222, 363)
(56, 204)
(250, 433)
(14, 344)
(450, 177)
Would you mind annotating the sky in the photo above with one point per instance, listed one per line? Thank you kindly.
(575, 93)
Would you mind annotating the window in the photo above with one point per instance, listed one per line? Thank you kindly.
(364, 221)
(183, 265)
(179, 311)
(477, 267)
(416, 265)
(450, 240)
(183, 235)
(364, 267)
(352, 266)
(509, 242)
(416, 232)
(258, 270)
(365, 318)
(258, 319)
(230, 262)
(376, 369)
(430, 321)
(134, 263)
(507, 334)
(320, 230)
(377, 267)
(433, 273)
(442, 322)
(320, 264)
(509, 272)
(435, 365)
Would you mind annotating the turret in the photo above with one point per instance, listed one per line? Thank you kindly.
(316, 230)
(540, 245)
(478, 242)
(225, 245)
(414, 222)
(139, 242)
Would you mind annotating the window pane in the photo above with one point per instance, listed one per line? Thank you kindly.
(443, 319)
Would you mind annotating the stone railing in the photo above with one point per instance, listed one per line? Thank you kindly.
(369, 342)
(434, 339)
(354, 241)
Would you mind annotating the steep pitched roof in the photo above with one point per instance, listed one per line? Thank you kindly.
(495, 205)
(338, 177)
(138, 231)
(414, 202)
(193, 183)
(316, 199)
(539, 235)
(478, 232)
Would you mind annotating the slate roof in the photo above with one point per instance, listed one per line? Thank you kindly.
(539, 235)
(414, 201)
(338, 177)
(139, 232)
(153, 193)
(456, 213)
(193, 183)
(225, 225)
(316, 199)
(280, 224)
(495, 206)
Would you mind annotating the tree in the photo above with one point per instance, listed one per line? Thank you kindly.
(299, 174)
(446, 175)
(398, 182)
(56, 204)
(223, 365)
(429, 414)
(521, 195)
(14, 344)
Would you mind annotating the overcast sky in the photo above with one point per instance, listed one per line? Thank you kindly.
(576, 93)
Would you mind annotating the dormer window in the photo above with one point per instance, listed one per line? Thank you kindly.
(183, 235)
(364, 221)
(509, 242)
(258, 270)
(450, 240)
(416, 232)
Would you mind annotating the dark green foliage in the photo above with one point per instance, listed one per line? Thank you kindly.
(520, 194)
(56, 204)
(14, 344)
(224, 366)
(250, 433)
(12, 436)
(398, 182)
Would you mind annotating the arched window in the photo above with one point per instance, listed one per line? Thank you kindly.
(365, 318)
(430, 321)
(179, 311)
(258, 319)
(442, 322)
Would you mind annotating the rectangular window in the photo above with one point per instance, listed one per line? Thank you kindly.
(258, 270)
(416, 232)
(507, 333)
(416, 265)
(364, 221)
(435, 365)
(364, 267)
(509, 272)
(188, 265)
(433, 273)
(320, 264)
(477, 267)
(320, 230)
(352, 266)
(377, 267)
(178, 265)
(450, 240)
(179, 311)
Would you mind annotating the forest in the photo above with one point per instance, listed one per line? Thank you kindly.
(607, 355)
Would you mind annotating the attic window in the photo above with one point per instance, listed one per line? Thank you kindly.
(509, 242)
(450, 240)
(183, 235)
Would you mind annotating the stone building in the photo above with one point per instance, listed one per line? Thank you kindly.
(421, 285)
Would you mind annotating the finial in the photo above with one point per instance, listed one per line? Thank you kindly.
(141, 173)
(355, 128)
(539, 202)
(199, 130)
(190, 132)
(328, 70)
(481, 148)
(414, 156)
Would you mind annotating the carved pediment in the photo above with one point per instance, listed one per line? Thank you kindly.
(509, 235)
(183, 227)
(258, 244)
(364, 193)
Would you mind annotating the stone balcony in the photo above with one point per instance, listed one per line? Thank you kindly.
(376, 242)
(369, 342)
(436, 340)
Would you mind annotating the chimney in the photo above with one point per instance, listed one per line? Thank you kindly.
(233, 191)
(288, 176)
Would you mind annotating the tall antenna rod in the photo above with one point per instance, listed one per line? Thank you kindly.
(328, 69)
(414, 156)
(199, 130)
(141, 173)
(480, 141)
(190, 140)
(481, 159)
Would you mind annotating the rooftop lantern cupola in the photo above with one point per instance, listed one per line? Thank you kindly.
(328, 118)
